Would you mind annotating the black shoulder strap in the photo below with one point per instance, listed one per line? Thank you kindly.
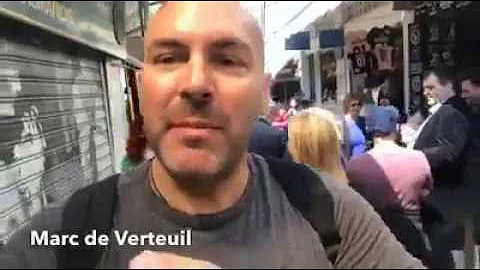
(307, 193)
(87, 209)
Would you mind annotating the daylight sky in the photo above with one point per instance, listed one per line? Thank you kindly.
(279, 25)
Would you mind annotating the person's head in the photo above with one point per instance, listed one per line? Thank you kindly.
(203, 86)
(273, 111)
(385, 122)
(293, 103)
(305, 104)
(314, 139)
(384, 102)
(352, 105)
(439, 85)
(471, 87)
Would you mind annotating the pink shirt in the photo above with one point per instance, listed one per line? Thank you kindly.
(281, 121)
(391, 175)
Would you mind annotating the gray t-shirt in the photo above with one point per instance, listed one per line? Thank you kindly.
(261, 230)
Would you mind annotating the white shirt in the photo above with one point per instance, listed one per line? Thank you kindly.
(375, 94)
(433, 110)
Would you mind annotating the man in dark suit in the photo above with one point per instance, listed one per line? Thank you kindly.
(471, 92)
(442, 138)
(471, 169)
(445, 132)
(267, 140)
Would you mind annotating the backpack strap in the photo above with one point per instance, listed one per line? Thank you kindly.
(90, 208)
(307, 193)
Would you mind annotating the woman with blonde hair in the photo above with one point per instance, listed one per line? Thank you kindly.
(314, 138)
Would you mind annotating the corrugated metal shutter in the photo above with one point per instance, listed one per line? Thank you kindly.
(53, 123)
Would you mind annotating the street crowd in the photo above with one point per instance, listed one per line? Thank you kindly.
(411, 171)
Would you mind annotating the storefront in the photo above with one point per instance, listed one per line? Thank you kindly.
(286, 84)
(443, 34)
(374, 49)
(62, 102)
(328, 69)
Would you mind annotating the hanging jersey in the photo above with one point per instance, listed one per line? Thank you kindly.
(384, 55)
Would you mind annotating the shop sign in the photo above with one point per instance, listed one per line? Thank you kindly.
(332, 38)
(89, 23)
(298, 41)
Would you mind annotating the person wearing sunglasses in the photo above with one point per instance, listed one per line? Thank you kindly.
(355, 138)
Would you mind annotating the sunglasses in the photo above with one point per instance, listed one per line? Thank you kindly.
(354, 105)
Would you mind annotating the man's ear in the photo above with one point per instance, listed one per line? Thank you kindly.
(450, 86)
(267, 82)
(139, 79)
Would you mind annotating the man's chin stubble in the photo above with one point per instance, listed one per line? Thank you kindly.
(198, 183)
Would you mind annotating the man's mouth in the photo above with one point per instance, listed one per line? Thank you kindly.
(194, 124)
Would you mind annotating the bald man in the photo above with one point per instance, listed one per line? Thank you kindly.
(203, 86)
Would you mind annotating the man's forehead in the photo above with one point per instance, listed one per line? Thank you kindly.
(431, 78)
(468, 83)
(203, 19)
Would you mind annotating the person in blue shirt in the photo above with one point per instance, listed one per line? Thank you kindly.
(356, 127)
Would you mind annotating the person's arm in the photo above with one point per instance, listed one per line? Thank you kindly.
(18, 253)
(451, 137)
(358, 150)
(366, 242)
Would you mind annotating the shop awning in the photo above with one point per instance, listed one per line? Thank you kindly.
(433, 7)
(430, 6)
(379, 17)
(405, 5)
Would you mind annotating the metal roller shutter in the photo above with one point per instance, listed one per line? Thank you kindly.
(54, 135)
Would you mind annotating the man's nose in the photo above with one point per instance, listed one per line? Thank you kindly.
(198, 87)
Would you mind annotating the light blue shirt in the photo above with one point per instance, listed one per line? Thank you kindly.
(357, 139)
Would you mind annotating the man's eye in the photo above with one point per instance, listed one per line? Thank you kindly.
(166, 59)
(229, 61)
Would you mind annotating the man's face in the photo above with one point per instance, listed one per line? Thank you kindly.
(202, 87)
(384, 102)
(434, 91)
(471, 92)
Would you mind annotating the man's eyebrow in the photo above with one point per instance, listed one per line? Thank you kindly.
(232, 42)
(224, 43)
(166, 44)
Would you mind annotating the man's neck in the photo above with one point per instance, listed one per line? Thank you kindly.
(447, 98)
(222, 196)
(351, 117)
(434, 108)
(384, 141)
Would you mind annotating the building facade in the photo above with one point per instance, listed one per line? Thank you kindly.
(372, 31)
(63, 96)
